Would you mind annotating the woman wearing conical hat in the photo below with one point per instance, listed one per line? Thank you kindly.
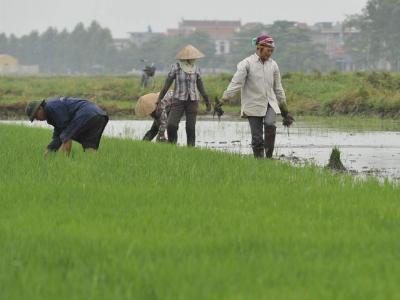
(188, 81)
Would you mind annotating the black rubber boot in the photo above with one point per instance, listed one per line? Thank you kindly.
(172, 132)
(258, 153)
(270, 133)
(149, 135)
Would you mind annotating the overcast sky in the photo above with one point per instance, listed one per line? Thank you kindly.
(121, 16)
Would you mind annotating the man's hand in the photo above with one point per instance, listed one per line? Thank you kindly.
(208, 106)
(287, 118)
(66, 147)
(218, 108)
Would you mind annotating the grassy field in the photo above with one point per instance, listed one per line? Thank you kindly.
(354, 94)
(149, 221)
(360, 94)
(348, 123)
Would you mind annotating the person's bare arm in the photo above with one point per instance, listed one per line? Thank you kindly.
(67, 146)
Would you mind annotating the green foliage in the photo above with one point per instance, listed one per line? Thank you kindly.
(91, 50)
(162, 50)
(362, 93)
(384, 80)
(335, 163)
(84, 50)
(295, 51)
(378, 41)
(344, 93)
(143, 221)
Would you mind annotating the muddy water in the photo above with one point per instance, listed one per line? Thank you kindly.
(365, 152)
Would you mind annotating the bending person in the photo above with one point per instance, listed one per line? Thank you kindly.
(146, 106)
(73, 119)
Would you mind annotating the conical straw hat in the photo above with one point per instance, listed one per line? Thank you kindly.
(146, 104)
(189, 52)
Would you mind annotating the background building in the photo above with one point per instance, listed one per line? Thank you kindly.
(9, 66)
(221, 32)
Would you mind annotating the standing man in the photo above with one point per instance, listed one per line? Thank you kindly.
(148, 73)
(73, 119)
(263, 97)
(188, 83)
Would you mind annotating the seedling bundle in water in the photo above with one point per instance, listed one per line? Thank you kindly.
(334, 161)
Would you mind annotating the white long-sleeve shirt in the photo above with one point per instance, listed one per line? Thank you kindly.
(260, 84)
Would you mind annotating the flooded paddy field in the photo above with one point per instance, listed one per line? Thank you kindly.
(367, 152)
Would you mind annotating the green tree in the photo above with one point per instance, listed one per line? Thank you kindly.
(3, 43)
(48, 50)
(28, 49)
(295, 49)
(162, 50)
(379, 34)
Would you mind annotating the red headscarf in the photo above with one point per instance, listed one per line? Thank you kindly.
(265, 40)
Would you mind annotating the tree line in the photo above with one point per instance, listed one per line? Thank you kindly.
(377, 45)
(91, 49)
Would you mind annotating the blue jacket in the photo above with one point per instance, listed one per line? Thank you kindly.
(67, 115)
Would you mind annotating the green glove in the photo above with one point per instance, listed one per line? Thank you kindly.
(284, 109)
(218, 108)
(287, 118)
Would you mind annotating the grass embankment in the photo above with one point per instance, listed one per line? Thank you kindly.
(150, 221)
(361, 94)
(353, 94)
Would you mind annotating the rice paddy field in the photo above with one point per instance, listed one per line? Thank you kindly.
(153, 221)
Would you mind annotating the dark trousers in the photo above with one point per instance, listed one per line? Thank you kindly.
(178, 108)
(89, 135)
(263, 132)
(152, 133)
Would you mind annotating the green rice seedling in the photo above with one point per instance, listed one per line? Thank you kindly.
(335, 163)
(148, 221)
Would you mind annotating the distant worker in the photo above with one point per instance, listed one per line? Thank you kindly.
(188, 83)
(147, 106)
(262, 95)
(73, 119)
(148, 73)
